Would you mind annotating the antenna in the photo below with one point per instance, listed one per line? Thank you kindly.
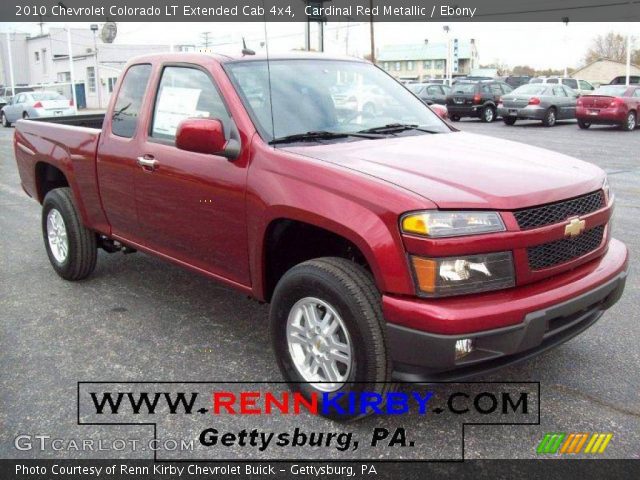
(266, 46)
(245, 50)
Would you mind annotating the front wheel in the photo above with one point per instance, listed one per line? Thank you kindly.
(630, 123)
(71, 247)
(455, 118)
(5, 122)
(583, 125)
(327, 331)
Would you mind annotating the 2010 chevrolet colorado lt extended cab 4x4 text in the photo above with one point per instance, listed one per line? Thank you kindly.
(389, 244)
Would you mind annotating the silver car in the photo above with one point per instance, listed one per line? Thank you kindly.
(544, 102)
(35, 104)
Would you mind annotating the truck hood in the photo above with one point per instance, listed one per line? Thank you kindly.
(465, 170)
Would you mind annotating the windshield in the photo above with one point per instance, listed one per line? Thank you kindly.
(47, 96)
(311, 95)
(529, 89)
(611, 90)
(464, 88)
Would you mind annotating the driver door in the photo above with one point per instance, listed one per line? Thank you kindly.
(191, 206)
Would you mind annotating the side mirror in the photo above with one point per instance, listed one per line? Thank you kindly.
(204, 135)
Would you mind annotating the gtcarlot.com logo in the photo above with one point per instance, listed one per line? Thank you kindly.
(573, 443)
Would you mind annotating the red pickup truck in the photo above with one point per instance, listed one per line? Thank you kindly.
(390, 245)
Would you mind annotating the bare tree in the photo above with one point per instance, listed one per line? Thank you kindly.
(612, 46)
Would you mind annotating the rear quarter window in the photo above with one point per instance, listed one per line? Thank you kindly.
(124, 119)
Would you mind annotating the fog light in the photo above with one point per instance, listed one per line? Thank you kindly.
(464, 347)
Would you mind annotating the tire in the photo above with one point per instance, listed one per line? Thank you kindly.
(488, 114)
(550, 117)
(81, 243)
(5, 122)
(348, 291)
(455, 118)
(630, 124)
(583, 125)
(509, 120)
(25, 115)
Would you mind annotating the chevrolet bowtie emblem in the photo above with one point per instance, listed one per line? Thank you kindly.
(574, 228)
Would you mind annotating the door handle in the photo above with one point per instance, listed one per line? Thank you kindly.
(147, 162)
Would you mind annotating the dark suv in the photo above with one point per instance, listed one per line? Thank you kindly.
(476, 99)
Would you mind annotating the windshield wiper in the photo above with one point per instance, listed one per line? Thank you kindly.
(396, 127)
(317, 135)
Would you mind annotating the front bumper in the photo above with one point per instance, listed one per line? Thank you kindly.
(424, 355)
(531, 112)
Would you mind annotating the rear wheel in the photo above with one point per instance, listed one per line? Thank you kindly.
(71, 247)
(25, 115)
(327, 331)
(455, 118)
(509, 120)
(488, 114)
(583, 125)
(630, 123)
(549, 119)
(5, 122)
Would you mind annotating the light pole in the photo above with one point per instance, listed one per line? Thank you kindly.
(10, 57)
(565, 20)
(628, 56)
(71, 75)
(94, 29)
(447, 65)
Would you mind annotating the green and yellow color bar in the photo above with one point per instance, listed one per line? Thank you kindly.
(572, 443)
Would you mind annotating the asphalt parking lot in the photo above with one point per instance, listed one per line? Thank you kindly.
(137, 318)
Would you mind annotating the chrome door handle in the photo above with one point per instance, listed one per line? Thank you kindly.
(147, 162)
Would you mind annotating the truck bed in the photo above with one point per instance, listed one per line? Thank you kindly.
(68, 144)
(89, 120)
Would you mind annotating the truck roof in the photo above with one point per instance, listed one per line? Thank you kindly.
(221, 58)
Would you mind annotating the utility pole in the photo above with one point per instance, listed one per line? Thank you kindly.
(565, 20)
(13, 85)
(372, 34)
(205, 36)
(94, 29)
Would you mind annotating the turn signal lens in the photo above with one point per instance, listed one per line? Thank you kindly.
(451, 224)
(439, 277)
(425, 270)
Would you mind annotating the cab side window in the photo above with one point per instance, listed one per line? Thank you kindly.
(126, 110)
(185, 92)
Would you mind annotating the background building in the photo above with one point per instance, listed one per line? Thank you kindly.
(42, 62)
(603, 71)
(428, 60)
(18, 51)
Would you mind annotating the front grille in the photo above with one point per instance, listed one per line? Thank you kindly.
(556, 212)
(564, 250)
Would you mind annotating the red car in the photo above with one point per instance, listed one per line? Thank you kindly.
(390, 246)
(610, 105)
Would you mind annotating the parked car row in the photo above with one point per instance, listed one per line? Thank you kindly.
(545, 100)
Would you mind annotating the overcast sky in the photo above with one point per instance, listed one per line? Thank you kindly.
(539, 45)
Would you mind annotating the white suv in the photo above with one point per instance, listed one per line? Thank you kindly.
(582, 87)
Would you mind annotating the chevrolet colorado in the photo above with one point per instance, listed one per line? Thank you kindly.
(390, 245)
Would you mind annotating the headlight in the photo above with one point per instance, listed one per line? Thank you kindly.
(607, 190)
(439, 277)
(451, 224)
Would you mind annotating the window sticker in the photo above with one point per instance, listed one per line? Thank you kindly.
(174, 105)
